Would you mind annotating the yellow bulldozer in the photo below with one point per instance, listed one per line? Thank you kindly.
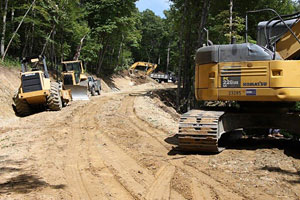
(142, 69)
(263, 80)
(73, 78)
(37, 90)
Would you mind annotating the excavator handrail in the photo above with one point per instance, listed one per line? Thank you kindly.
(289, 17)
(272, 10)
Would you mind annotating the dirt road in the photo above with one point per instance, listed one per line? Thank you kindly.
(119, 146)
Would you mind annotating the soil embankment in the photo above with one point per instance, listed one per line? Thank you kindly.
(9, 82)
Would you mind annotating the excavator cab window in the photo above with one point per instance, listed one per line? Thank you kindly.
(141, 68)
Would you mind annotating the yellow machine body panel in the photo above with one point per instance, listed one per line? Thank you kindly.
(287, 46)
(275, 80)
(144, 67)
(36, 97)
(66, 95)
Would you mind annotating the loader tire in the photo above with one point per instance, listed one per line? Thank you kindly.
(22, 108)
(54, 101)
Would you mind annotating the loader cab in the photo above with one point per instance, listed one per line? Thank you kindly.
(75, 67)
(35, 64)
(73, 73)
(35, 81)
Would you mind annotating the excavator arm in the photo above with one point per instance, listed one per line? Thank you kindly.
(146, 67)
(287, 46)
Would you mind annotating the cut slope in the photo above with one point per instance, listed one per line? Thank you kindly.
(9, 82)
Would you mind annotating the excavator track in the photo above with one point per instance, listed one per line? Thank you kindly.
(199, 131)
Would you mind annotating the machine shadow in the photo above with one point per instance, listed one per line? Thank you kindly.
(110, 83)
(25, 183)
(285, 172)
(36, 110)
(289, 146)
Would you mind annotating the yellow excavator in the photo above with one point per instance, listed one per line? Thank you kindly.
(263, 79)
(142, 68)
(37, 90)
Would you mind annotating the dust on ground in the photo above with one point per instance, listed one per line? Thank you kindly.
(120, 145)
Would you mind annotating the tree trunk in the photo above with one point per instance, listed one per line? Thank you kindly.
(32, 35)
(53, 51)
(204, 15)
(24, 52)
(78, 51)
(168, 56)
(230, 18)
(47, 39)
(158, 62)
(3, 28)
(111, 55)
(12, 15)
(101, 57)
(14, 34)
(178, 96)
(120, 49)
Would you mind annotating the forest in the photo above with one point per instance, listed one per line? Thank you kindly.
(110, 35)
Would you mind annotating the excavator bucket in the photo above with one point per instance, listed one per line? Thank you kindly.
(78, 92)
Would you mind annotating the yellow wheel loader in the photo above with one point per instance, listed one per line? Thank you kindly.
(263, 79)
(37, 90)
(141, 69)
(81, 86)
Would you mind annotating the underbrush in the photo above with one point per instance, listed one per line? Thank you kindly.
(10, 62)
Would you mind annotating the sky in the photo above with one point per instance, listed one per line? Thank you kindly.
(157, 6)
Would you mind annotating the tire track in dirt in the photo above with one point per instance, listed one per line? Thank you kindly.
(76, 183)
(158, 137)
(93, 178)
(112, 188)
(202, 191)
(207, 187)
(80, 182)
(150, 186)
(161, 187)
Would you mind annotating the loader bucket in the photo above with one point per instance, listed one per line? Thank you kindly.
(78, 92)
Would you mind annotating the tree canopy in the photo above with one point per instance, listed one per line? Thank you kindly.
(110, 35)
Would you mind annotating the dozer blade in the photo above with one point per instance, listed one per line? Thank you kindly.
(78, 92)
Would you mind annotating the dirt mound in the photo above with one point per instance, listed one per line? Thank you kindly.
(123, 82)
(9, 82)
